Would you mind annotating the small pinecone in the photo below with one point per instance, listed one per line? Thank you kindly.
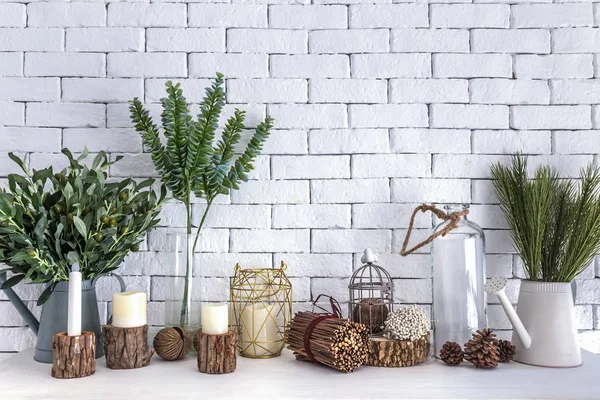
(451, 353)
(482, 349)
(507, 350)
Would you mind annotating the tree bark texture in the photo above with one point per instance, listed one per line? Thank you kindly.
(397, 353)
(126, 348)
(216, 353)
(73, 356)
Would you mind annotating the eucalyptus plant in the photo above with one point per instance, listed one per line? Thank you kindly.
(49, 221)
(554, 222)
(188, 162)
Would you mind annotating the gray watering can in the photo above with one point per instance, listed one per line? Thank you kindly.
(54, 315)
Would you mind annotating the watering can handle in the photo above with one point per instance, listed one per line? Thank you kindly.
(121, 283)
(26, 314)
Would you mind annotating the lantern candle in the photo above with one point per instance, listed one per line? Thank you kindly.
(74, 302)
(260, 333)
(215, 319)
(129, 309)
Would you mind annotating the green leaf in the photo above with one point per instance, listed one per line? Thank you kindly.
(57, 241)
(73, 257)
(12, 281)
(20, 238)
(144, 184)
(20, 256)
(6, 204)
(83, 155)
(80, 226)
(45, 295)
(68, 191)
(41, 175)
(40, 229)
(18, 161)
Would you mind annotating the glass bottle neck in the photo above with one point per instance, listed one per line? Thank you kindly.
(452, 208)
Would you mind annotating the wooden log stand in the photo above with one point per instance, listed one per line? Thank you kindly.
(216, 353)
(397, 353)
(126, 348)
(73, 356)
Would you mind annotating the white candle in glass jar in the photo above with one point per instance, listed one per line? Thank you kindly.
(260, 333)
(215, 319)
(129, 309)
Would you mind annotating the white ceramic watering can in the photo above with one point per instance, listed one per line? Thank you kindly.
(544, 325)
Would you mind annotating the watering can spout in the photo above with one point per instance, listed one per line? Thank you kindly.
(497, 286)
(21, 308)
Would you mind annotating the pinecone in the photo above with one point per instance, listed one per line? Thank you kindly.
(507, 350)
(451, 353)
(482, 349)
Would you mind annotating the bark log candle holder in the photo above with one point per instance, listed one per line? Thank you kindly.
(73, 356)
(216, 353)
(126, 348)
(397, 353)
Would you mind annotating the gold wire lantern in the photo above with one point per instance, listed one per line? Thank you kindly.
(261, 306)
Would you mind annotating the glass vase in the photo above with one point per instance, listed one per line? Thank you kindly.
(184, 288)
(459, 299)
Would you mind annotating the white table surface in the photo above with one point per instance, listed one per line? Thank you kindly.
(285, 378)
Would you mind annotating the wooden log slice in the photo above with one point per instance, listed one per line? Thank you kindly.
(397, 353)
(216, 353)
(73, 356)
(126, 348)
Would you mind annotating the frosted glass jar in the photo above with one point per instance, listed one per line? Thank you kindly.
(459, 298)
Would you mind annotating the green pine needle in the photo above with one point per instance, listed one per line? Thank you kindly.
(554, 225)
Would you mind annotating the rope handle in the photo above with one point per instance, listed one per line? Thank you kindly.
(453, 217)
(336, 311)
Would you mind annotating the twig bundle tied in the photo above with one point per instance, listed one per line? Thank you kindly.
(335, 342)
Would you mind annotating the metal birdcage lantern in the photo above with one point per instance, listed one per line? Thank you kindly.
(261, 306)
(371, 294)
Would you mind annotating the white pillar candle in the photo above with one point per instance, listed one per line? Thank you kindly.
(129, 309)
(215, 319)
(74, 302)
(260, 333)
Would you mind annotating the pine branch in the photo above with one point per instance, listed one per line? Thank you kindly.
(555, 228)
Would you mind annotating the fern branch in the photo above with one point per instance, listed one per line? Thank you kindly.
(243, 165)
(175, 120)
(203, 134)
(223, 154)
(147, 128)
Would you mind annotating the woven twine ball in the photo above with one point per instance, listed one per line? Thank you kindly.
(371, 312)
(172, 344)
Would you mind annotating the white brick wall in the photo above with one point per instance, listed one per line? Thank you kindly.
(379, 105)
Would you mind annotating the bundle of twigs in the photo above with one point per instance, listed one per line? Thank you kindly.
(335, 342)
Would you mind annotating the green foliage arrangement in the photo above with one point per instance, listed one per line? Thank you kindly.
(554, 223)
(188, 162)
(48, 221)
